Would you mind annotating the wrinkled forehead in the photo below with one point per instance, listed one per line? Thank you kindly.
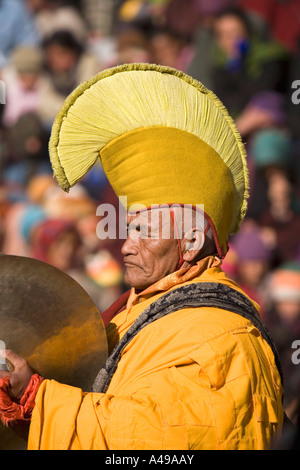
(169, 221)
(149, 215)
(154, 219)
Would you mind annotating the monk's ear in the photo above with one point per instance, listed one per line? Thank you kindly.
(192, 243)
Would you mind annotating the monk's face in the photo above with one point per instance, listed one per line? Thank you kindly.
(150, 251)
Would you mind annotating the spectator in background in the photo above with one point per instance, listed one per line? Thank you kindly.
(202, 64)
(281, 19)
(24, 152)
(73, 205)
(132, 45)
(141, 11)
(99, 18)
(283, 321)
(283, 216)
(39, 187)
(274, 201)
(28, 88)
(243, 64)
(32, 216)
(254, 259)
(265, 110)
(282, 22)
(170, 48)
(58, 242)
(57, 15)
(269, 151)
(17, 28)
(55, 241)
(67, 62)
(183, 17)
(21, 219)
(24, 155)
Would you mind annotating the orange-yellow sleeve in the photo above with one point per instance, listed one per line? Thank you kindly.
(64, 418)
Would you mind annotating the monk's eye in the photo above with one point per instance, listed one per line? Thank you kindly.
(138, 230)
(134, 231)
(143, 231)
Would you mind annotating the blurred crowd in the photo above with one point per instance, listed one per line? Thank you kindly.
(246, 51)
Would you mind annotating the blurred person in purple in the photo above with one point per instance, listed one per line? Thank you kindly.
(253, 262)
(265, 110)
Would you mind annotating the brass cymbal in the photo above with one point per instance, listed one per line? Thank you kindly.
(49, 319)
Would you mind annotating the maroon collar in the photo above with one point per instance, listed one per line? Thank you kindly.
(115, 308)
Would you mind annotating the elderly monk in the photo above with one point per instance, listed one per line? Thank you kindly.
(191, 365)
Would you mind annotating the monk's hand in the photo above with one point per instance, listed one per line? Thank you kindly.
(19, 375)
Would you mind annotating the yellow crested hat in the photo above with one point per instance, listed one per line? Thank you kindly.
(162, 137)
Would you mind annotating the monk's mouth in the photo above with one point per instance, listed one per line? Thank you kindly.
(130, 265)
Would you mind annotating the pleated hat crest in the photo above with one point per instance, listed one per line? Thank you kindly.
(162, 137)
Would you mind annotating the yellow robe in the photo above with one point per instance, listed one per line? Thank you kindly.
(198, 378)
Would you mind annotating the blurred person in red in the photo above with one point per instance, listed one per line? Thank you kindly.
(58, 242)
(277, 15)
